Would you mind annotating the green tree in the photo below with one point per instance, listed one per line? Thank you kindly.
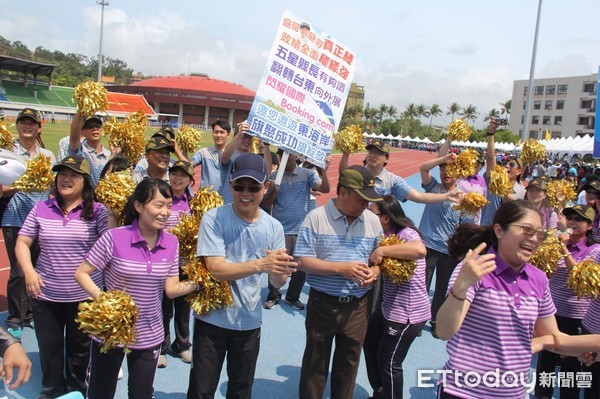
(470, 112)
(453, 109)
(410, 111)
(422, 111)
(434, 110)
(381, 112)
(493, 113)
(505, 108)
(392, 112)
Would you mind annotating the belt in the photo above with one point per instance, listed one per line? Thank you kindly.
(332, 298)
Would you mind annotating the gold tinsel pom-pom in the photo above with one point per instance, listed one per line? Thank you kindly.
(188, 139)
(255, 145)
(186, 232)
(213, 294)
(459, 130)
(396, 270)
(499, 182)
(560, 192)
(584, 279)
(130, 135)
(204, 200)
(470, 203)
(533, 151)
(114, 189)
(110, 318)
(91, 97)
(464, 165)
(547, 255)
(349, 139)
(6, 138)
(38, 177)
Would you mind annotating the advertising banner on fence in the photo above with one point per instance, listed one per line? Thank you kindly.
(303, 90)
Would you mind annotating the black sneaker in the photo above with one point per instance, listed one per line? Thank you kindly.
(296, 304)
(270, 303)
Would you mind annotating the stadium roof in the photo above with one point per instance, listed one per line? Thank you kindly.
(127, 103)
(26, 66)
(200, 83)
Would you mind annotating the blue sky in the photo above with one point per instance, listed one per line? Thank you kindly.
(468, 51)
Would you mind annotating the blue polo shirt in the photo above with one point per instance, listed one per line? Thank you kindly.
(389, 183)
(210, 159)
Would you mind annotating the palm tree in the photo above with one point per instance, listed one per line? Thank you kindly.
(369, 114)
(411, 111)
(494, 113)
(392, 112)
(454, 108)
(434, 111)
(505, 108)
(470, 112)
(381, 112)
(422, 111)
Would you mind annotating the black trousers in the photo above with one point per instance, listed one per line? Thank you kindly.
(181, 309)
(296, 281)
(547, 361)
(19, 307)
(385, 348)
(592, 392)
(444, 265)
(104, 370)
(64, 349)
(210, 347)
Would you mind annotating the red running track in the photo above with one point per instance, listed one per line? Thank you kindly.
(402, 162)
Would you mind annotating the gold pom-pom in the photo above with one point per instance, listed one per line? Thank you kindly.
(186, 232)
(111, 318)
(499, 182)
(584, 279)
(533, 151)
(470, 203)
(130, 135)
(547, 255)
(396, 270)
(91, 97)
(114, 189)
(560, 192)
(464, 165)
(188, 139)
(213, 294)
(204, 200)
(38, 177)
(459, 130)
(349, 139)
(6, 138)
(255, 145)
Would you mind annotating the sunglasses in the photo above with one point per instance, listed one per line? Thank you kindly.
(576, 218)
(240, 188)
(529, 231)
(93, 126)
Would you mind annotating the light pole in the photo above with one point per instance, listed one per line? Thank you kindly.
(525, 131)
(102, 3)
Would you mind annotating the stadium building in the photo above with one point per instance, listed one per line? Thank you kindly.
(194, 99)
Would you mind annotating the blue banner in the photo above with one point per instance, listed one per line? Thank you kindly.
(597, 124)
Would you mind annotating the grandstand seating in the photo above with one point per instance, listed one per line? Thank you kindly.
(58, 96)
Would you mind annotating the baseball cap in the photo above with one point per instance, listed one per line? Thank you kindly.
(586, 212)
(158, 143)
(166, 132)
(572, 172)
(595, 185)
(92, 118)
(30, 113)
(362, 181)
(249, 165)
(539, 182)
(380, 146)
(75, 163)
(183, 165)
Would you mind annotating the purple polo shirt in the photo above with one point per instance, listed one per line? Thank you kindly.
(498, 328)
(549, 218)
(565, 300)
(179, 208)
(122, 255)
(64, 241)
(591, 320)
(407, 303)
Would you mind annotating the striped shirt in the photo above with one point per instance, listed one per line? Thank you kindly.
(21, 203)
(549, 218)
(97, 160)
(473, 184)
(565, 300)
(210, 159)
(407, 303)
(226, 170)
(126, 263)
(326, 235)
(489, 211)
(387, 183)
(591, 320)
(438, 220)
(64, 242)
(292, 203)
(498, 328)
(142, 174)
(223, 234)
(179, 207)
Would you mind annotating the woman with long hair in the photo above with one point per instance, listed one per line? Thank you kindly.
(496, 302)
(66, 227)
(143, 260)
(405, 307)
(537, 193)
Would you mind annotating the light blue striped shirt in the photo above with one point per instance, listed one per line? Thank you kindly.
(326, 235)
(210, 159)
(293, 198)
(389, 183)
(222, 233)
(96, 160)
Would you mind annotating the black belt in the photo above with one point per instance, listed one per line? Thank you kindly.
(336, 299)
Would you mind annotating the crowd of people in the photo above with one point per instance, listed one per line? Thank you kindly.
(492, 306)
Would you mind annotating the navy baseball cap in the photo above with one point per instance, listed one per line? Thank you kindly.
(249, 165)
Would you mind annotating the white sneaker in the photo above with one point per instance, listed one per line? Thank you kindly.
(120, 375)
